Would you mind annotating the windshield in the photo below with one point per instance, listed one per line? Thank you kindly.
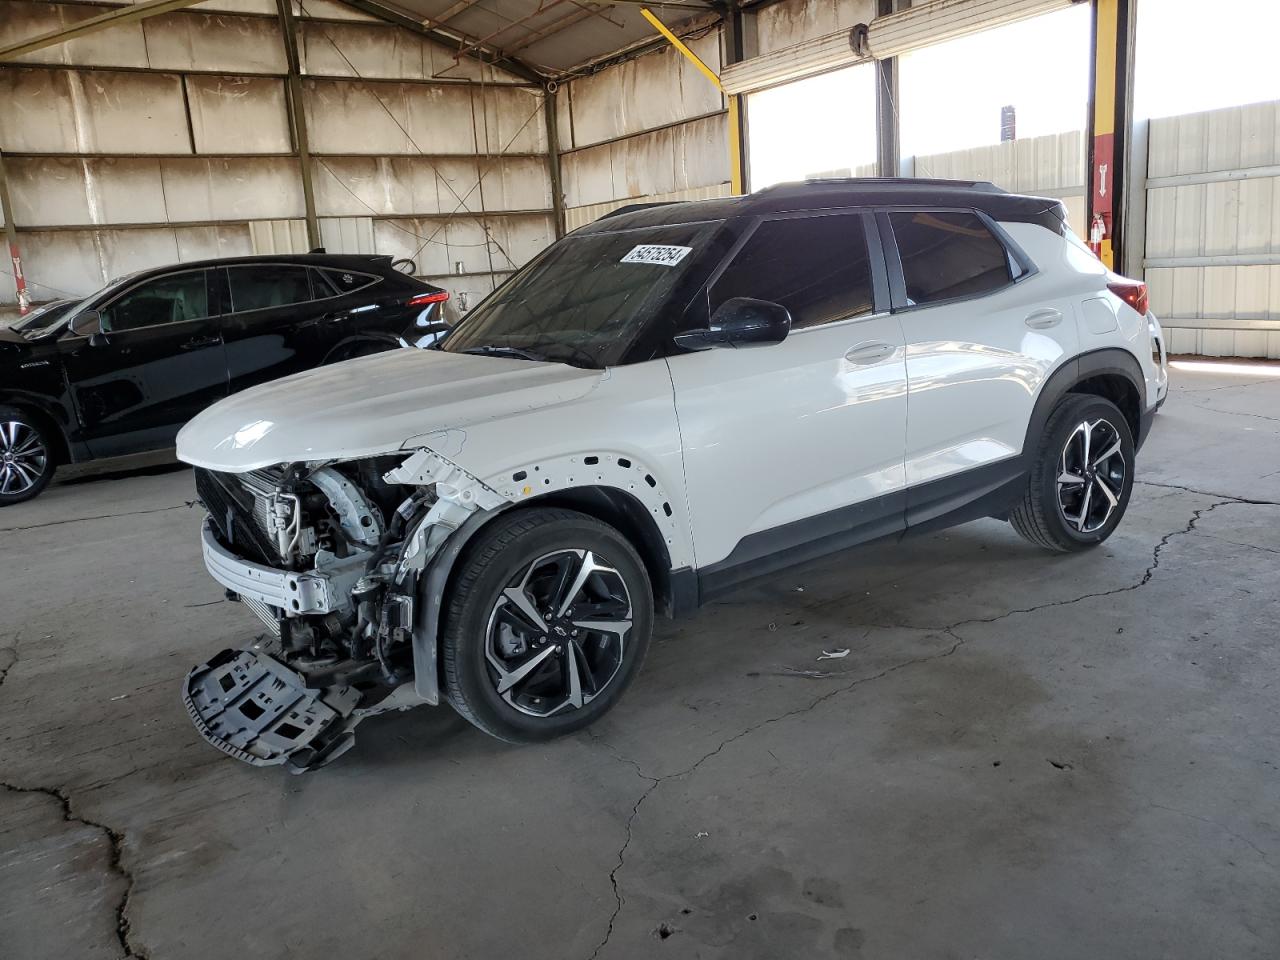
(584, 300)
(45, 318)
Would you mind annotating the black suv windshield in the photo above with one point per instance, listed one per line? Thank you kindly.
(585, 299)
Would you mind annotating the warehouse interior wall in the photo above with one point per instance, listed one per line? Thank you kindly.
(649, 129)
(169, 139)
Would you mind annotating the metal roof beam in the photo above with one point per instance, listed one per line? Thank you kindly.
(451, 40)
(137, 11)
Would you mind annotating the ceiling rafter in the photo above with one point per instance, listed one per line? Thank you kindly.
(451, 39)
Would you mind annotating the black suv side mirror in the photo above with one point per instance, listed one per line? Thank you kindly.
(740, 322)
(87, 324)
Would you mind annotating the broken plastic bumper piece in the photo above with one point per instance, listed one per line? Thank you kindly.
(253, 707)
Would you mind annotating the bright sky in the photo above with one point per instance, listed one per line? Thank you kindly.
(950, 95)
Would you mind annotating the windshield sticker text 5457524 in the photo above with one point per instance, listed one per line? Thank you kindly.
(656, 253)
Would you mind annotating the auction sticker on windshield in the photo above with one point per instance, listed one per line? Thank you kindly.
(656, 253)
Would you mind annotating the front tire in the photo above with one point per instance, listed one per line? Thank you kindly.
(1079, 483)
(548, 620)
(26, 456)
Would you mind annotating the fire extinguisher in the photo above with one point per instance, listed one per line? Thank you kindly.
(1097, 230)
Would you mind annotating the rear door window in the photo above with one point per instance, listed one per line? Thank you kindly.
(817, 267)
(268, 285)
(946, 256)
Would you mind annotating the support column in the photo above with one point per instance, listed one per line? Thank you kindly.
(887, 150)
(553, 156)
(734, 52)
(1110, 122)
(298, 117)
(11, 234)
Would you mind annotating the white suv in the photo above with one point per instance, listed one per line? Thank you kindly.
(663, 404)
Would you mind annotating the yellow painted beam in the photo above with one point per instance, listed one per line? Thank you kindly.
(736, 179)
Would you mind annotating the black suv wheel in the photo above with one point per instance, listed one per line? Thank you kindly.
(548, 622)
(1079, 483)
(26, 457)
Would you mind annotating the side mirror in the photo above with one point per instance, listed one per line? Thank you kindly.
(740, 322)
(87, 324)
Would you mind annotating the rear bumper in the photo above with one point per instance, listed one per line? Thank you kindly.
(1146, 422)
(294, 593)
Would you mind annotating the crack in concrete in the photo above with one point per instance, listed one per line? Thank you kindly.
(115, 840)
(103, 516)
(948, 629)
(1209, 493)
(1234, 413)
(655, 782)
(1214, 823)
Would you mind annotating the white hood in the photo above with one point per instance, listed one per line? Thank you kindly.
(370, 406)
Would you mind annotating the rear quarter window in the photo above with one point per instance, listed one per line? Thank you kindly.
(947, 256)
(342, 281)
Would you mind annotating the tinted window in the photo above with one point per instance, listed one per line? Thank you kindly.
(948, 255)
(270, 285)
(816, 267)
(343, 281)
(586, 298)
(170, 299)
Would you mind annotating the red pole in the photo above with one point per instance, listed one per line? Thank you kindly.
(24, 298)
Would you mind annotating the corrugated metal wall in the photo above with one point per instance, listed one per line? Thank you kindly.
(651, 129)
(1048, 166)
(1213, 230)
(169, 139)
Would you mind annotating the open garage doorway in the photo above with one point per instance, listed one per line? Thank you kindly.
(1007, 105)
(822, 126)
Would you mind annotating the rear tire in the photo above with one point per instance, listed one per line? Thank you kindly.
(548, 620)
(1081, 476)
(26, 456)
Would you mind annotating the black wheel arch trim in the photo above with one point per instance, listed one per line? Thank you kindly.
(54, 416)
(1109, 361)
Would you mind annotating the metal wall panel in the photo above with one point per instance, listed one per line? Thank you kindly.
(279, 236)
(655, 90)
(238, 115)
(105, 181)
(1213, 229)
(73, 111)
(580, 216)
(359, 186)
(388, 118)
(690, 155)
(121, 46)
(783, 25)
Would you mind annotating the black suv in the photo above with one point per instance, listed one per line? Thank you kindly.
(122, 370)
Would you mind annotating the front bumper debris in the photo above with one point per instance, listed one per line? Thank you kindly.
(294, 593)
(256, 709)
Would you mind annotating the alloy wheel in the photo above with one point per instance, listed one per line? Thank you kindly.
(1091, 475)
(557, 632)
(23, 457)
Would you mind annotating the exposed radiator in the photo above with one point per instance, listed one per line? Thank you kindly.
(238, 506)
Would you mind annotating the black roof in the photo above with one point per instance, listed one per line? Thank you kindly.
(835, 193)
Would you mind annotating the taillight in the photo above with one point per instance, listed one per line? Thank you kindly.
(422, 299)
(1131, 292)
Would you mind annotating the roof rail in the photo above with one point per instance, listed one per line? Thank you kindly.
(633, 207)
(924, 183)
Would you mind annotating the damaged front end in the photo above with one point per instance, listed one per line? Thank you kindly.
(345, 565)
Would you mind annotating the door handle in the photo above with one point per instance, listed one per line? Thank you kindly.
(1043, 319)
(868, 353)
(197, 344)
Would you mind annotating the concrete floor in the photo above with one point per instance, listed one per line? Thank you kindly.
(1023, 755)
